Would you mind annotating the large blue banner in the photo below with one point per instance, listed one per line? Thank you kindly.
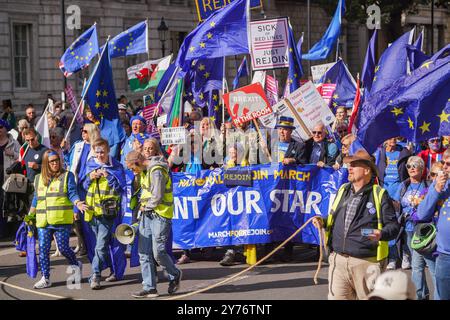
(207, 7)
(207, 213)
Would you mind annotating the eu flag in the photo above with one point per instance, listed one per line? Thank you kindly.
(322, 49)
(224, 33)
(129, 42)
(242, 71)
(392, 64)
(214, 107)
(369, 62)
(204, 76)
(417, 106)
(101, 98)
(32, 263)
(80, 53)
(345, 91)
(295, 71)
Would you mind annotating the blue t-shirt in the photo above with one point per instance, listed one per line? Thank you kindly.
(282, 148)
(414, 191)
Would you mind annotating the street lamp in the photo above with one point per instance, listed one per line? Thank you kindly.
(162, 31)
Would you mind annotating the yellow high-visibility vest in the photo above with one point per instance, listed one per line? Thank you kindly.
(165, 208)
(383, 247)
(53, 204)
(95, 194)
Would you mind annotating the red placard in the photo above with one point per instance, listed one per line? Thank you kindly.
(247, 103)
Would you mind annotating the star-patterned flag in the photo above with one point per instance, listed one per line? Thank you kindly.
(80, 53)
(224, 33)
(214, 107)
(204, 76)
(345, 91)
(242, 71)
(370, 62)
(393, 63)
(323, 48)
(102, 101)
(295, 64)
(417, 106)
(129, 42)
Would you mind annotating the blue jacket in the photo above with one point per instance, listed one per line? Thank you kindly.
(440, 202)
(116, 174)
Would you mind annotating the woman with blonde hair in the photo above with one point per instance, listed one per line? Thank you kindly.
(211, 144)
(77, 159)
(54, 197)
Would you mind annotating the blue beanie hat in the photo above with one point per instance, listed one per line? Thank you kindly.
(5, 124)
(138, 118)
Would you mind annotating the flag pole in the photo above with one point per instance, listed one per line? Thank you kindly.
(165, 91)
(146, 39)
(337, 49)
(85, 91)
(223, 90)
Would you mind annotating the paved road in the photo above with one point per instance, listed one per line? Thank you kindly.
(275, 281)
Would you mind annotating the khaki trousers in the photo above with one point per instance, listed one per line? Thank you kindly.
(351, 278)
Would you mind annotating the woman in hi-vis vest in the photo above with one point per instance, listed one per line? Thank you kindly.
(54, 197)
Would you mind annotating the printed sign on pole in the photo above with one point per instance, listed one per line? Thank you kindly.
(247, 103)
(207, 7)
(270, 44)
(307, 108)
(318, 71)
(326, 91)
(174, 135)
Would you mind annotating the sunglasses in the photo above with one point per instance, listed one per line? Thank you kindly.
(1, 127)
(411, 166)
(434, 140)
(317, 132)
(445, 163)
(433, 174)
(54, 161)
(84, 131)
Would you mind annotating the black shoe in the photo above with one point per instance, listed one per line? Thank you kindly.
(174, 284)
(146, 294)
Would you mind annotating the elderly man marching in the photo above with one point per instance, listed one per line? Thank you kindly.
(361, 221)
(155, 224)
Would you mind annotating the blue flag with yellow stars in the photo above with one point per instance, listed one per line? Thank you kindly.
(416, 107)
(393, 63)
(242, 71)
(129, 42)
(32, 263)
(369, 62)
(80, 53)
(102, 101)
(345, 91)
(224, 33)
(322, 49)
(164, 82)
(204, 76)
(214, 107)
(295, 71)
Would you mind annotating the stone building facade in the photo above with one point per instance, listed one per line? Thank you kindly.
(31, 39)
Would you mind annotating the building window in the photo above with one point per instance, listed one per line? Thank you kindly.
(177, 38)
(21, 55)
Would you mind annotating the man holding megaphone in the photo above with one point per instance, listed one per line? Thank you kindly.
(155, 221)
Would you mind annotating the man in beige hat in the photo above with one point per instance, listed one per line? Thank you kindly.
(361, 221)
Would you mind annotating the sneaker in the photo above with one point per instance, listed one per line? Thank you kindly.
(56, 254)
(43, 283)
(146, 294)
(111, 278)
(94, 283)
(405, 263)
(392, 265)
(184, 259)
(228, 260)
(174, 284)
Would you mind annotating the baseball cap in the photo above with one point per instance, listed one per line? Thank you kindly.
(394, 285)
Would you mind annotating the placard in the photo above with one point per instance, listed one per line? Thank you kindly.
(162, 120)
(270, 44)
(307, 108)
(247, 103)
(174, 135)
(207, 7)
(319, 70)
